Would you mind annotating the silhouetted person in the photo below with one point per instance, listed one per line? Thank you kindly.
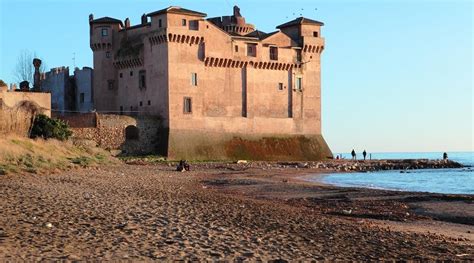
(353, 153)
(364, 153)
(445, 156)
(183, 166)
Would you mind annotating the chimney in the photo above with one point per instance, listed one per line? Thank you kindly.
(127, 23)
(144, 19)
(91, 17)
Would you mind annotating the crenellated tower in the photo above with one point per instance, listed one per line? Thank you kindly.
(103, 36)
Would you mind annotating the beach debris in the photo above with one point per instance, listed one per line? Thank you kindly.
(242, 162)
(347, 212)
(183, 166)
(49, 225)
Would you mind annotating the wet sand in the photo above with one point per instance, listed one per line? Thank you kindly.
(221, 211)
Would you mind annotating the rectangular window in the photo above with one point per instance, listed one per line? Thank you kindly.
(105, 32)
(315, 34)
(194, 25)
(159, 23)
(236, 48)
(81, 98)
(299, 83)
(131, 73)
(280, 86)
(149, 102)
(183, 22)
(121, 75)
(252, 50)
(188, 107)
(107, 54)
(141, 103)
(142, 79)
(273, 53)
(194, 79)
(298, 55)
(121, 109)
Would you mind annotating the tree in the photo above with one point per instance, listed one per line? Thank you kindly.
(24, 69)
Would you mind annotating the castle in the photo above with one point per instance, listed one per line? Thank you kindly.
(221, 88)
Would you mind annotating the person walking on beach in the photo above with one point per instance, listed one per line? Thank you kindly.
(364, 153)
(353, 153)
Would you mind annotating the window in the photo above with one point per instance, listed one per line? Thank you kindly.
(105, 32)
(141, 103)
(194, 25)
(298, 55)
(131, 73)
(280, 86)
(121, 75)
(107, 54)
(142, 79)
(110, 84)
(315, 34)
(194, 79)
(273, 53)
(252, 50)
(188, 107)
(159, 23)
(299, 83)
(183, 22)
(149, 102)
(236, 48)
(121, 110)
(81, 98)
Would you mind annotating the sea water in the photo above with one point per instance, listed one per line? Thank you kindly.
(447, 181)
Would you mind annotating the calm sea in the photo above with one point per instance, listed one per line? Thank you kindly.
(448, 181)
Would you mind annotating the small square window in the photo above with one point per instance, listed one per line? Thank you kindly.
(252, 50)
(121, 75)
(236, 48)
(188, 107)
(105, 32)
(110, 84)
(183, 22)
(107, 54)
(315, 34)
(159, 23)
(131, 73)
(149, 102)
(280, 86)
(194, 79)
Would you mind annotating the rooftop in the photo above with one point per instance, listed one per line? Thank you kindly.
(301, 21)
(177, 10)
(106, 20)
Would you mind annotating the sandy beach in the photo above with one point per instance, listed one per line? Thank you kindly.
(223, 211)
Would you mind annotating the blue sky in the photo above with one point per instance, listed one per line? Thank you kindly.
(397, 75)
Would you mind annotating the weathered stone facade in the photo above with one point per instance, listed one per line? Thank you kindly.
(215, 82)
(18, 109)
(130, 134)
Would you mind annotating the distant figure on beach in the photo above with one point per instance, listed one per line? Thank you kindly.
(445, 156)
(353, 153)
(364, 153)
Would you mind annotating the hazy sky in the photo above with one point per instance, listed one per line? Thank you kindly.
(397, 75)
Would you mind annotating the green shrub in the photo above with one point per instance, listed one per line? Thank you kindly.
(46, 128)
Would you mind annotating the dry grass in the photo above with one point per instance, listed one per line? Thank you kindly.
(18, 154)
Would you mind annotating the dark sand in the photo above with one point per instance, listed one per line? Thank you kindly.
(141, 212)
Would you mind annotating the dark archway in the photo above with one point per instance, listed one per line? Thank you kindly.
(131, 133)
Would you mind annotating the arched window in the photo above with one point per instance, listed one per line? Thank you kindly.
(131, 132)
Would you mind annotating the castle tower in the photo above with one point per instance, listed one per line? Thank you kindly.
(103, 36)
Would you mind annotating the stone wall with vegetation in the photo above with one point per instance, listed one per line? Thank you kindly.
(130, 134)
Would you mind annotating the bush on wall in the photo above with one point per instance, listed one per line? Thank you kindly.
(47, 128)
